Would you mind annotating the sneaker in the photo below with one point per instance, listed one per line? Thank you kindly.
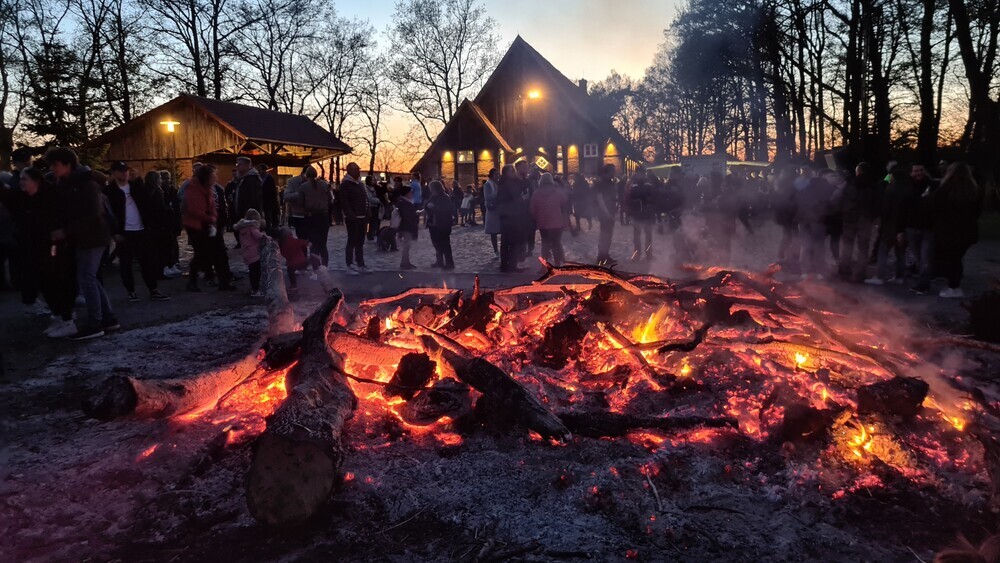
(132, 297)
(110, 324)
(37, 308)
(169, 272)
(54, 322)
(156, 295)
(352, 271)
(875, 281)
(952, 293)
(86, 334)
(62, 330)
(920, 289)
(257, 293)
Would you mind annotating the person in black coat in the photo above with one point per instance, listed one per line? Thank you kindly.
(171, 225)
(139, 210)
(440, 215)
(269, 196)
(509, 204)
(408, 227)
(955, 209)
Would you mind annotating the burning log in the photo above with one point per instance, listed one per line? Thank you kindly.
(899, 396)
(609, 300)
(446, 398)
(474, 313)
(590, 272)
(363, 351)
(500, 389)
(412, 373)
(155, 398)
(609, 424)
(297, 459)
(561, 342)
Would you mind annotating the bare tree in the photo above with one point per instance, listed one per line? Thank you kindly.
(373, 105)
(441, 51)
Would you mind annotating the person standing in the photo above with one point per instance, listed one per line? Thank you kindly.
(812, 207)
(295, 202)
(550, 209)
(456, 195)
(415, 190)
(249, 192)
(354, 202)
(138, 206)
(440, 217)
(582, 201)
(783, 204)
(171, 226)
(642, 211)
(201, 221)
(491, 215)
(374, 207)
(917, 215)
(508, 202)
(858, 201)
(955, 209)
(316, 200)
(409, 225)
(269, 196)
(248, 229)
(605, 196)
(89, 233)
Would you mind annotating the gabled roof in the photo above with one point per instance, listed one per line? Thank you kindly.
(577, 98)
(260, 124)
(251, 123)
(477, 114)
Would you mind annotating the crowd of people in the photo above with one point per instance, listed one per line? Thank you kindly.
(61, 221)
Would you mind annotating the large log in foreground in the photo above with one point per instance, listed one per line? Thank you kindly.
(296, 461)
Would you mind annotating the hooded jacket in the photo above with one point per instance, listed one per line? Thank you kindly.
(353, 199)
(249, 234)
(199, 206)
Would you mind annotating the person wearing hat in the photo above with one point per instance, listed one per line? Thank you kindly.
(139, 212)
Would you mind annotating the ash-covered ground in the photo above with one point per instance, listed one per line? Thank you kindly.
(131, 490)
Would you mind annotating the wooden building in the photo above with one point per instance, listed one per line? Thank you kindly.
(216, 132)
(527, 110)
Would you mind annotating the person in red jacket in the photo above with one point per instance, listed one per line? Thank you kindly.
(297, 258)
(200, 219)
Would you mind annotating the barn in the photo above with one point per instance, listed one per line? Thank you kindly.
(190, 128)
(527, 110)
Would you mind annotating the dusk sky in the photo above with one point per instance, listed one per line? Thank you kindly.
(582, 38)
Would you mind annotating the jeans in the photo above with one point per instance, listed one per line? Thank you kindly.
(442, 247)
(949, 262)
(921, 243)
(355, 252)
(374, 222)
(405, 240)
(855, 246)
(886, 243)
(138, 246)
(88, 261)
(813, 259)
(604, 240)
(511, 247)
(642, 228)
(552, 248)
(317, 229)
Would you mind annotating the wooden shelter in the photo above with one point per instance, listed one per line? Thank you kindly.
(216, 132)
(527, 110)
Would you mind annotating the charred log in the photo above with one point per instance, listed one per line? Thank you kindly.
(597, 273)
(609, 301)
(474, 313)
(412, 373)
(297, 459)
(446, 398)
(899, 396)
(609, 424)
(560, 343)
(499, 388)
(373, 331)
(804, 423)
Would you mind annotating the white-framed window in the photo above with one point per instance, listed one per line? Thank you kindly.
(465, 157)
(559, 160)
(590, 150)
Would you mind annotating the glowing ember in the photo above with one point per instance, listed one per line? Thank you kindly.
(800, 359)
(685, 369)
(147, 452)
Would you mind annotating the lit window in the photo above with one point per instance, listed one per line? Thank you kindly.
(559, 151)
(465, 157)
(589, 150)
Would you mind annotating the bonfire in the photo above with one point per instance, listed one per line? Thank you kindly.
(732, 361)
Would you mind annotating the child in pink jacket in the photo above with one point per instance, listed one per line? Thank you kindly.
(248, 229)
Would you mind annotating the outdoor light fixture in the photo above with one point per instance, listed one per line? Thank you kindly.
(534, 94)
(171, 125)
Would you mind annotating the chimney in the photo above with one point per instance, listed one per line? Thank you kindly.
(583, 85)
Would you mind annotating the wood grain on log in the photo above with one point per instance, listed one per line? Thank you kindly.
(296, 461)
(280, 316)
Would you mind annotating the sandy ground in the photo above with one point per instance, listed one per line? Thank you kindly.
(78, 489)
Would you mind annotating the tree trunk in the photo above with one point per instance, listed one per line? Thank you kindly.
(296, 461)
(927, 130)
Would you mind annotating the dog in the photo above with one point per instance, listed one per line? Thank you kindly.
(387, 239)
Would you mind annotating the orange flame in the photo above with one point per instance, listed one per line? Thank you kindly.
(147, 452)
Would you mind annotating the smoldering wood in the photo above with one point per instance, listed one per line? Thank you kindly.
(560, 343)
(446, 397)
(412, 373)
(899, 396)
(609, 424)
(296, 461)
